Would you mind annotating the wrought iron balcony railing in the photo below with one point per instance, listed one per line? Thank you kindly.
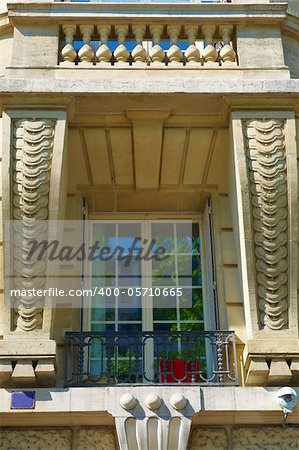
(160, 357)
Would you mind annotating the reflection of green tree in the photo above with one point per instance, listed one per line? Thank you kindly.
(192, 314)
(165, 270)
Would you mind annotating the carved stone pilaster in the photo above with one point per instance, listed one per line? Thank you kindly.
(32, 154)
(33, 175)
(267, 176)
(264, 200)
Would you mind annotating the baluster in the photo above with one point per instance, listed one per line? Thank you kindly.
(121, 53)
(86, 53)
(174, 53)
(210, 54)
(157, 54)
(227, 53)
(81, 345)
(111, 362)
(220, 365)
(68, 53)
(104, 53)
(139, 54)
(192, 54)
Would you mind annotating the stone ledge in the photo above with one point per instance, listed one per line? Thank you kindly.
(147, 85)
(15, 348)
(267, 12)
(270, 347)
(106, 399)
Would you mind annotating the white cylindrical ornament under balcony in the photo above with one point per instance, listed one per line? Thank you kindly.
(192, 53)
(139, 53)
(227, 53)
(157, 54)
(68, 53)
(209, 53)
(174, 53)
(121, 53)
(103, 53)
(86, 53)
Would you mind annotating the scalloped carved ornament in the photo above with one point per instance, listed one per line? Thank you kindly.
(32, 162)
(266, 164)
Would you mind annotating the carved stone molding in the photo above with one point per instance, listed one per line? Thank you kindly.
(264, 195)
(153, 433)
(34, 177)
(154, 420)
(32, 153)
(267, 173)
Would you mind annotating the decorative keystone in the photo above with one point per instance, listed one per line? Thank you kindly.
(128, 401)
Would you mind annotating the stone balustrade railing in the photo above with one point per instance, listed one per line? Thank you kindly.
(142, 45)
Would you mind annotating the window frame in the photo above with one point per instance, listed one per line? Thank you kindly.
(206, 263)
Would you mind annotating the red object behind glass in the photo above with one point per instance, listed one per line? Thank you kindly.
(179, 370)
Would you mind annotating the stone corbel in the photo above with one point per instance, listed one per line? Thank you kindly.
(154, 420)
(33, 183)
(264, 197)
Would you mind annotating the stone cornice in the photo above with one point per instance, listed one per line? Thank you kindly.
(4, 23)
(291, 25)
(140, 85)
(216, 13)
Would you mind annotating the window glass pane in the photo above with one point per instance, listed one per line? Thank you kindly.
(179, 268)
(164, 272)
(103, 272)
(129, 273)
(195, 238)
(165, 326)
(130, 327)
(163, 234)
(196, 312)
(102, 327)
(102, 314)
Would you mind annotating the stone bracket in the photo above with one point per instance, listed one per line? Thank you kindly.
(27, 363)
(160, 420)
(27, 373)
(272, 371)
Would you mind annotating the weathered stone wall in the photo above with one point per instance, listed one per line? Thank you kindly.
(255, 438)
(102, 438)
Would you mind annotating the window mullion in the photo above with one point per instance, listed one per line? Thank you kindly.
(146, 270)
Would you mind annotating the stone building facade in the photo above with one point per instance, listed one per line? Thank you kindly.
(149, 112)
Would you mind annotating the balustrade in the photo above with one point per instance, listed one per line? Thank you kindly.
(141, 45)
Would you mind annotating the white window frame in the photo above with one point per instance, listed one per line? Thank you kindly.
(145, 220)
